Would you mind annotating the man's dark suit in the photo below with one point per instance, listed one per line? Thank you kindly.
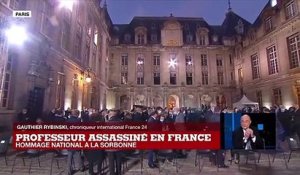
(238, 142)
(153, 125)
(115, 156)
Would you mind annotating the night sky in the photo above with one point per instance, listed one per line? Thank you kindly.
(213, 11)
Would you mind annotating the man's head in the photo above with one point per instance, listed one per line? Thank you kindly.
(138, 110)
(245, 121)
(24, 111)
(75, 112)
(112, 113)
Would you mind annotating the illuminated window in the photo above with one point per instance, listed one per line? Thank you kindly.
(272, 60)
(156, 69)
(124, 61)
(65, 39)
(189, 78)
(124, 68)
(220, 78)
(219, 61)
(47, 27)
(173, 78)
(78, 41)
(202, 40)
(294, 50)
(60, 90)
(156, 78)
(141, 39)
(124, 77)
(140, 69)
(96, 36)
(189, 69)
(87, 51)
(259, 97)
(268, 24)
(277, 96)
(255, 66)
(156, 60)
(240, 75)
(204, 77)
(6, 81)
(203, 60)
(290, 10)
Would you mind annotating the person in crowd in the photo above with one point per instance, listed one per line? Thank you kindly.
(104, 114)
(114, 156)
(23, 116)
(180, 117)
(154, 124)
(59, 117)
(51, 115)
(95, 156)
(67, 112)
(96, 118)
(297, 119)
(84, 115)
(145, 115)
(137, 116)
(127, 117)
(74, 118)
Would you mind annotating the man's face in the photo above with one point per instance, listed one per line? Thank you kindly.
(24, 111)
(245, 121)
(112, 113)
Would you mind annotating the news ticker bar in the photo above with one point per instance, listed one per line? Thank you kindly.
(129, 126)
(116, 136)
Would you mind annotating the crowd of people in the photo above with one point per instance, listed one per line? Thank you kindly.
(288, 123)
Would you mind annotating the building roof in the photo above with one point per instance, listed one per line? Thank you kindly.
(231, 21)
(227, 29)
(257, 22)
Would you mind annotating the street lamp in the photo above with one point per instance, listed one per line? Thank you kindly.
(88, 79)
(68, 4)
(16, 34)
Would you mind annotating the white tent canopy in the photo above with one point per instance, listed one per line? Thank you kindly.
(244, 102)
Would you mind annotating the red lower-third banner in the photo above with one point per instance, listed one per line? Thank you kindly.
(117, 140)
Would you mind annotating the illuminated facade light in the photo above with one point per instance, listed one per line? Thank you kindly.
(139, 62)
(190, 63)
(16, 35)
(273, 3)
(68, 4)
(172, 63)
(88, 79)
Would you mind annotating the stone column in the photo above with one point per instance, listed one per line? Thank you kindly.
(199, 100)
(131, 97)
(182, 99)
(165, 97)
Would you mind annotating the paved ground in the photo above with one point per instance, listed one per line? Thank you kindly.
(185, 166)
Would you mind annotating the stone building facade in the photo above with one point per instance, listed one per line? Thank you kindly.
(268, 64)
(65, 46)
(172, 62)
(206, 64)
(152, 61)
